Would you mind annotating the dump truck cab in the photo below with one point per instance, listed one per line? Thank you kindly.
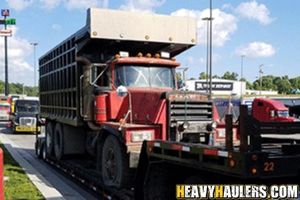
(268, 110)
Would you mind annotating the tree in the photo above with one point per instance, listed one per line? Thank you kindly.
(284, 86)
(295, 82)
(230, 76)
(203, 75)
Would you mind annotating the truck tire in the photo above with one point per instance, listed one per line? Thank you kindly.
(49, 139)
(58, 141)
(112, 162)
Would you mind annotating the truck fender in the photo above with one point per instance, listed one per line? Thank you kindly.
(105, 130)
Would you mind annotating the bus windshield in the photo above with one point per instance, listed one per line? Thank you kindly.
(144, 76)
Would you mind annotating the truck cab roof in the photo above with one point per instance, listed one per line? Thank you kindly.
(273, 104)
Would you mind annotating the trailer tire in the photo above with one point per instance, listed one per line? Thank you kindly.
(44, 152)
(38, 150)
(112, 162)
(58, 141)
(49, 139)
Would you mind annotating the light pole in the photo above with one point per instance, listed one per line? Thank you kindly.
(34, 44)
(242, 65)
(210, 49)
(184, 70)
(207, 50)
(260, 77)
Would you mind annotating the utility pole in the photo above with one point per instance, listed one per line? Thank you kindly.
(242, 65)
(6, 33)
(34, 44)
(207, 51)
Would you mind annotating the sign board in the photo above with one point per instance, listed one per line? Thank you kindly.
(223, 86)
(6, 32)
(5, 12)
(10, 21)
(2, 21)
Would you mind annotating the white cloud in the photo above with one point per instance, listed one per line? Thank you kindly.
(255, 11)
(256, 49)
(49, 4)
(74, 4)
(142, 5)
(81, 4)
(224, 24)
(19, 70)
(227, 6)
(19, 4)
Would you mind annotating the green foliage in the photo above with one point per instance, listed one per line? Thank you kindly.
(17, 88)
(203, 75)
(230, 76)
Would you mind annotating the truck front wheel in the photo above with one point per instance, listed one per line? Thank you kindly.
(113, 163)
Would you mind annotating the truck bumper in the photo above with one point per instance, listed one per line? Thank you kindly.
(26, 128)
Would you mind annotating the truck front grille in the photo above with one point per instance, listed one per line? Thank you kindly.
(27, 121)
(190, 111)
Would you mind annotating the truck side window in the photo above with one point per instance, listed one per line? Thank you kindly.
(260, 104)
(102, 76)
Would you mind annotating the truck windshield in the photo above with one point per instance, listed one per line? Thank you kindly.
(27, 107)
(144, 76)
(283, 113)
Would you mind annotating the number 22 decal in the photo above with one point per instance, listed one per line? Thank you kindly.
(269, 166)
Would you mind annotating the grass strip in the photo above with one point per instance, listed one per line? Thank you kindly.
(17, 185)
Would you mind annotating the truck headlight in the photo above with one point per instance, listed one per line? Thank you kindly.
(211, 126)
(139, 136)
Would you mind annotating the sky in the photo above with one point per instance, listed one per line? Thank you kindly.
(266, 32)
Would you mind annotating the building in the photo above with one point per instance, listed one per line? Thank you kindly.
(219, 86)
(223, 87)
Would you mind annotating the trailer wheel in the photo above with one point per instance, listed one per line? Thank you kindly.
(38, 150)
(113, 163)
(44, 152)
(58, 141)
(49, 139)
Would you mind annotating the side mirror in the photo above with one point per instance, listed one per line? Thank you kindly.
(272, 113)
(122, 91)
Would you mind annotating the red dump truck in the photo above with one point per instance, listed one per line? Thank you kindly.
(111, 85)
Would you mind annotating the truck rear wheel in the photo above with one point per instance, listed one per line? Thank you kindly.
(58, 141)
(49, 139)
(113, 163)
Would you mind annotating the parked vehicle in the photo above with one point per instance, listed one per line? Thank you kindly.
(105, 105)
(4, 111)
(24, 119)
(111, 85)
(268, 110)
